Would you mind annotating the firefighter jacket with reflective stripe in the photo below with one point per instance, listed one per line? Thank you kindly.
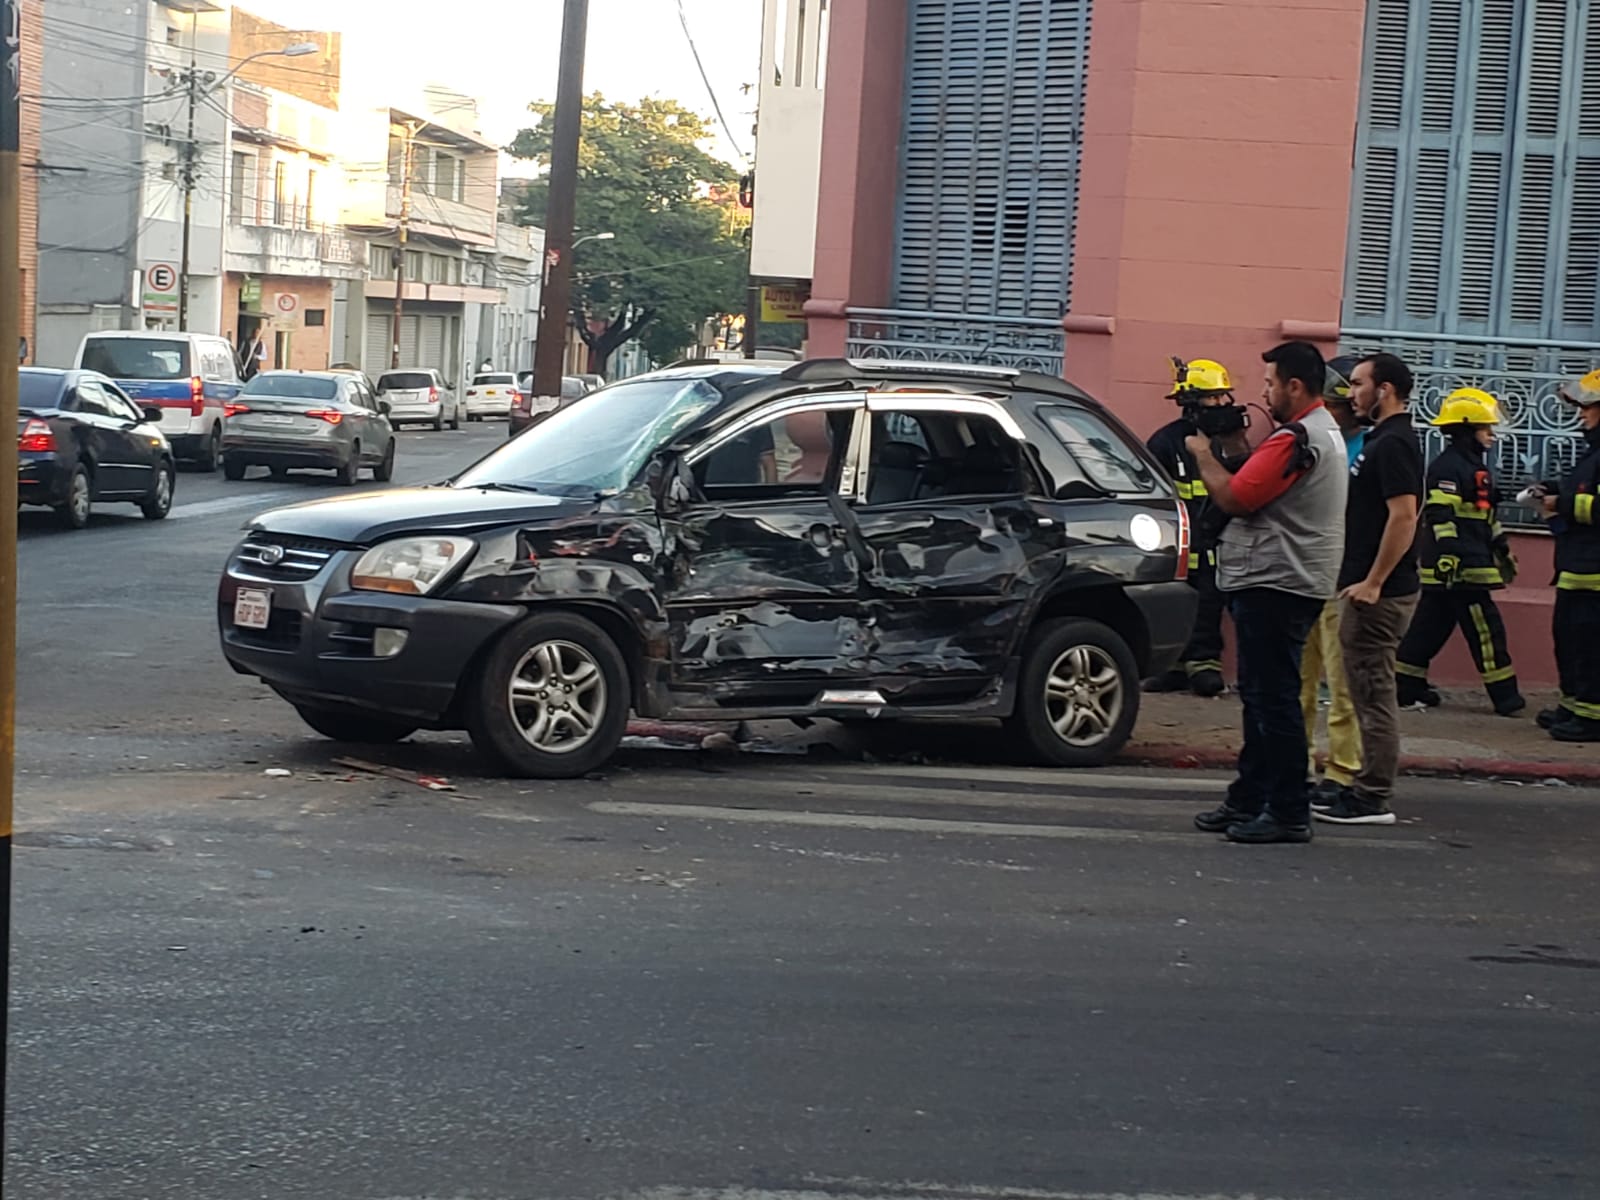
(1576, 524)
(1167, 445)
(1458, 521)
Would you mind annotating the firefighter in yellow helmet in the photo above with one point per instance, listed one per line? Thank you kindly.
(1204, 392)
(1465, 558)
(1573, 510)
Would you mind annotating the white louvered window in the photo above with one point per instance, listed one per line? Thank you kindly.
(1476, 208)
(990, 156)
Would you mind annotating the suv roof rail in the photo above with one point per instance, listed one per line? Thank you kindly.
(848, 370)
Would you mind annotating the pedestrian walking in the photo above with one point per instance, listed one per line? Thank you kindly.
(1277, 564)
(1204, 391)
(1378, 582)
(1465, 557)
(1574, 516)
(1322, 662)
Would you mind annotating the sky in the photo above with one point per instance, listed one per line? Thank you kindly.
(504, 53)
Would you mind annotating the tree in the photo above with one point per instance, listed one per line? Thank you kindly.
(677, 258)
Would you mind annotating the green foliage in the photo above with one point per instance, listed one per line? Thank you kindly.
(643, 175)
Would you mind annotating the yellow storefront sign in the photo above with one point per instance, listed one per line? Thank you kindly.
(783, 303)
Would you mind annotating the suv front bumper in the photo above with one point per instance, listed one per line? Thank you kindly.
(318, 644)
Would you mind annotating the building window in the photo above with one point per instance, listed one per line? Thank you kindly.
(311, 198)
(280, 194)
(380, 261)
(316, 317)
(416, 264)
(239, 185)
(445, 176)
(397, 158)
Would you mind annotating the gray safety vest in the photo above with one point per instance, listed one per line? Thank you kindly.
(1295, 543)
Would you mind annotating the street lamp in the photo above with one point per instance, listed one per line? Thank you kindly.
(191, 81)
(594, 237)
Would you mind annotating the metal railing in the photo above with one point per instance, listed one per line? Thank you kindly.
(1024, 343)
(1538, 438)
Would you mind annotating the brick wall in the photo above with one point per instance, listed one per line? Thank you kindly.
(28, 226)
(313, 77)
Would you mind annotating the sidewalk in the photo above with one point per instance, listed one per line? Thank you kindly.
(1462, 737)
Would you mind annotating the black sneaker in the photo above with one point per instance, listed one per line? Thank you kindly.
(1325, 795)
(1221, 819)
(1413, 694)
(1207, 684)
(1172, 681)
(1549, 718)
(1352, 809)
(1266, 830)
(1510, 706)
(1576, 729)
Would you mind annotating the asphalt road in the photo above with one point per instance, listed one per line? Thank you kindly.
(747, 977)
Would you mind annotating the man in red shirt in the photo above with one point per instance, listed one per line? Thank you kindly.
(1277, 563)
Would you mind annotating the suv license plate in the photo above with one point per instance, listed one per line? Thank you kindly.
(252, 608)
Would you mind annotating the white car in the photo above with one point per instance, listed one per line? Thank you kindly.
(491, 395)
(419, 396)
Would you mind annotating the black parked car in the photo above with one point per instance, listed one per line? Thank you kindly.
(850, 540)
(80, 439)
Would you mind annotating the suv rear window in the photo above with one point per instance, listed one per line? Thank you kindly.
(137, 358)
(404, 381)
(1101, 452)
(492, 380)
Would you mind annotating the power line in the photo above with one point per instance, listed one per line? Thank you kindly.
(683, 19)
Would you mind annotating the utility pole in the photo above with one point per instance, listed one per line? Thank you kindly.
(192, 80)
(408, 153)
(10, 338)
(556, 297)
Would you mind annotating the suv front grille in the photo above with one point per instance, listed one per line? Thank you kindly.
(290, 559)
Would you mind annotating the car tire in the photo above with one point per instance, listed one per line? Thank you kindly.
(211, 456)
(350, 469)
(455, 421)
(535, 736)
(1078, 694)
(74, 511)
(158, 503)
(384, 471)
(233, 468)
(438, 424)
(357, 728)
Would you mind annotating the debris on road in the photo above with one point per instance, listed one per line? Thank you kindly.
(432, 783)
(277, 772)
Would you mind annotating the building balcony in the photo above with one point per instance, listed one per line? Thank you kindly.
(441, 218)
(317, 252)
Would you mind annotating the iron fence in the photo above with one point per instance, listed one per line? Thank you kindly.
(1024, 343)
(1538, 438)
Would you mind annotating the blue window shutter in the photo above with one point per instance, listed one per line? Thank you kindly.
(990, 151)
(1476, 205)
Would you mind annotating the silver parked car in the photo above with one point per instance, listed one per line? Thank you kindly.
(420, 395)
(321, 419)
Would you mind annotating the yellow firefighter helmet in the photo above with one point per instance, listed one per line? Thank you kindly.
(1582, 392)
(1202, 377)
(1469, 406)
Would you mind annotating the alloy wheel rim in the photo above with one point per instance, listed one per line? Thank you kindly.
(80, 496)
(557, 697)
(1083, 695)
(163, 490)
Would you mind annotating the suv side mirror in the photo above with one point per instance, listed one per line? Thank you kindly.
(672, 483)
(384, 406)
(152, 414)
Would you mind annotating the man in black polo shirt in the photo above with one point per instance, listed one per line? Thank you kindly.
(1379, 584)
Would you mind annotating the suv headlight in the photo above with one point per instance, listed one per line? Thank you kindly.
(412, 566)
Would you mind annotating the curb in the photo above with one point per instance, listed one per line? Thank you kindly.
(1190, 758)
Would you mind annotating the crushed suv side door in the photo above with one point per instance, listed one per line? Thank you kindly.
(957, 544)
(761, 588)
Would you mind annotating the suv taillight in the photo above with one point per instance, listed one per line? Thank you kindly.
(1183, 541)
(433, 395)
(36, 438)
(197, 397)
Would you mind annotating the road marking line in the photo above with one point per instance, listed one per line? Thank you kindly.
(833, 820)
(203, 508)
(1065, 777)
(919, 1191)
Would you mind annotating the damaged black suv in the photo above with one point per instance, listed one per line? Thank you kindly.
(856, 540)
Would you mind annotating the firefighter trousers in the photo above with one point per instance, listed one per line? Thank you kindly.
(1577, 632)
(1204, 651)
(1440, 612)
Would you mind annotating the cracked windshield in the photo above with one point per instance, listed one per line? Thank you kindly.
(800, 600)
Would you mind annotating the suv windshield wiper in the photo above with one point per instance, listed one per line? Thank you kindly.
(500, 485)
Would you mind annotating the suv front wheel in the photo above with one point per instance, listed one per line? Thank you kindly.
(1078, 695)
(551, 701)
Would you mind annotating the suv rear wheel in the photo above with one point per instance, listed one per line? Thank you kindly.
(1078, 697)
(551, 701)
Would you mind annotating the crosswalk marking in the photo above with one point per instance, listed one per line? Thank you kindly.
(838, 820)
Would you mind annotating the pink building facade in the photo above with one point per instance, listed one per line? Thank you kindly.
(1091, 187)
